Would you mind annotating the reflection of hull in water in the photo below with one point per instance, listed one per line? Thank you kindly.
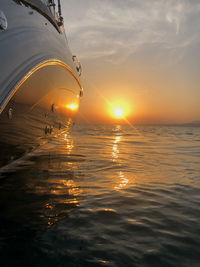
(46, 188)
(39, 84)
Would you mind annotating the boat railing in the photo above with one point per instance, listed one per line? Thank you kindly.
(50, 9)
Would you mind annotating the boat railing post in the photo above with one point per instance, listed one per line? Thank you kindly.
(60, 23)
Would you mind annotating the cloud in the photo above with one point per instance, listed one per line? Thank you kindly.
(117, 29)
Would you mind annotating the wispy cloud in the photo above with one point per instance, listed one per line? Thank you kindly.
(117, 29)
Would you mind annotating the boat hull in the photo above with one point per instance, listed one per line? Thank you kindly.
(39, 86)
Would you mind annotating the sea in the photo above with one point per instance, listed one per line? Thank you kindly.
(104, 196)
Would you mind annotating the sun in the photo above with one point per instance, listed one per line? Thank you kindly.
(119, 112)
(119, 109)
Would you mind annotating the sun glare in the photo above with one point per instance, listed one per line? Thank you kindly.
(119, 109)
(118, 112)
(72, 106)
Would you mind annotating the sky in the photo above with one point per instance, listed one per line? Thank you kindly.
(140, 55)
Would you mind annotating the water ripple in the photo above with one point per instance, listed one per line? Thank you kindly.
(108, 196)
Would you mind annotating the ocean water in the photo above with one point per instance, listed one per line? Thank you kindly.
(104, 196)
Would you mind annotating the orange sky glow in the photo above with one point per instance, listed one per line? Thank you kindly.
(144, 59)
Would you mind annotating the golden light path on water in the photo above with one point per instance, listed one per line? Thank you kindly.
(123, 181)
(115, 148)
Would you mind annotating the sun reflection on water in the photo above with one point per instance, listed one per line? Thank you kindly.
(123, 181)
(69, 144)
(115, 152)
(58, 185)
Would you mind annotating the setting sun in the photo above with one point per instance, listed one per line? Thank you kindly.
(119, 109)
(118, 112)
